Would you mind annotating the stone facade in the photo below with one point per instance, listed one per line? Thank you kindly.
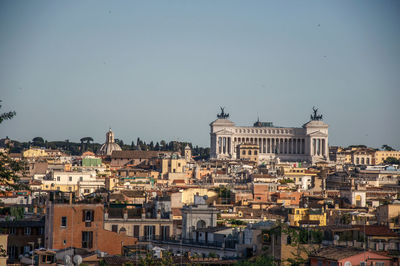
(197, 216)
(307, 143)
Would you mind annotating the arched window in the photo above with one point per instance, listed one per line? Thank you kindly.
(249, 153)
(255, 152)
(358, 160)
(244, 152)
(200, 224)
(362, 160)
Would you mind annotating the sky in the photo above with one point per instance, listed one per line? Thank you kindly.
(161, 69)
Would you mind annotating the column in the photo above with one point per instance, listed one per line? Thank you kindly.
(277, 145)
(326, 148)
(314, 146)
(265, 145)
(224, 146)
(323, 147)
(287, 146)
(229, 146)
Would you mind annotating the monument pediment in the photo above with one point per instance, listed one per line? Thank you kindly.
(318, 134)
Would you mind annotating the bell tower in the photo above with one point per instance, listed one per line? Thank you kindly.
(188, 153)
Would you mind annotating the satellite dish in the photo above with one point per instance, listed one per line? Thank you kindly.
(336, 237)
(78, 259)
(67, 260)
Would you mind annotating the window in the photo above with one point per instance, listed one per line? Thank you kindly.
(320, 263)
(87, 239)
(64, 221)
(379, 263)
(363, 263)
(27, 231)
(12, 252)
(149, 231)
(88, 216)
(244, 152)
(70, 188)
(86, 191)
(58, 178)
(70, 178)
(114, 228)
(136, 231)
(249, 153)
(41, 230)
(81, 178)
(255, 152)
(12, 231)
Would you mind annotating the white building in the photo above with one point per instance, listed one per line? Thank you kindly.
(80, 182)
(306, 143)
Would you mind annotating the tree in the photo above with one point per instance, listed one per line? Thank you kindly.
(7, 115)
(38, 141)
(9, 168)
(391, 160)
(86, 145)
(387, 148)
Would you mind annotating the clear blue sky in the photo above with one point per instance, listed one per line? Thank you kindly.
(161, 69)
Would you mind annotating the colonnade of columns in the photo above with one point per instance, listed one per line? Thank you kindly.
(318, 147)
(227, 145)
(224, 145)
(266, 145)
(275, 145)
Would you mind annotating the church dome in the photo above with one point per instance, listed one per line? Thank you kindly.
(110, 145)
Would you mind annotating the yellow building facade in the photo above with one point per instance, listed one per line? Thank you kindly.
(172, 165)
(248, 152)
(381, 156)
(34, 152)
(306, 216)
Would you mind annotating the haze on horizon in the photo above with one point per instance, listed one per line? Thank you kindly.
(161, 69)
